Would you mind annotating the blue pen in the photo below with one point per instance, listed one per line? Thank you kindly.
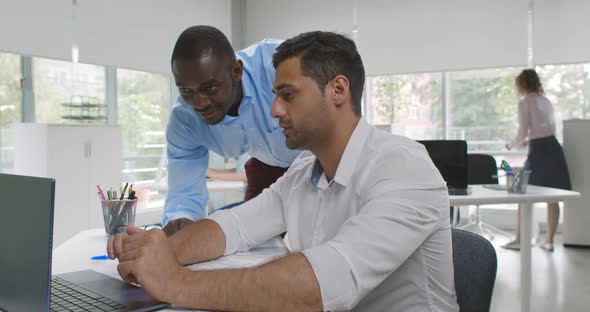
(102, 257)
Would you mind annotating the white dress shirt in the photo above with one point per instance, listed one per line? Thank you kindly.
(535, 118)
(377, 236)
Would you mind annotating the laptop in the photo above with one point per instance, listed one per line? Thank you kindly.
(450, 157)
(26, 284)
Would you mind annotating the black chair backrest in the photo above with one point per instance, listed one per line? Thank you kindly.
(475, 265)
(481, 169)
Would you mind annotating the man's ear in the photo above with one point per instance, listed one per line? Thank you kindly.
(340, 90)
(237, 70)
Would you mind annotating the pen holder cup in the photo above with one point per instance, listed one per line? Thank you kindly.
(518, 183)
(117, 214)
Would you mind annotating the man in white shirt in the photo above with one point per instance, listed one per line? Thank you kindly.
(366, 212)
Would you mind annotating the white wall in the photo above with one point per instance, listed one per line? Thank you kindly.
(561, 31)
(238, 24)
(136, 34)
(430, 35)
(395, 36)
(141, 33)
(282, 19)
(406, 36)
(36, 27)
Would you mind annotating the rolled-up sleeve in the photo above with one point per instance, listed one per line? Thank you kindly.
(254, 222)
(365, 251)
(187, 162)
(523, 124)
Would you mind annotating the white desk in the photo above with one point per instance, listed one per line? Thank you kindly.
(232, 190)
(225, 186)
(212, 186)
(75, 253)
(535, 194)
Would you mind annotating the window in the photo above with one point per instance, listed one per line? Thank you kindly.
(568, 87)
(479, 106)
(483, 107)
(411, 104)
(143, 109)
(68, 93)
(10, 106)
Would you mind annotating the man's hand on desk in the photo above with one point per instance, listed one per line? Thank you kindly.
(146, 258)
(149, 259)
(176, 225)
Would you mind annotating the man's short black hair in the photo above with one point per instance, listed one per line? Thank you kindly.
(199, 41)
(324, 55)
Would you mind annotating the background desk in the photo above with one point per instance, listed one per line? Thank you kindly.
(535, 194)
(221, 193)
(221, 186)
(75, 253)
(212, 186)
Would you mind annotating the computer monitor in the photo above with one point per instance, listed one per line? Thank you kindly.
(450, 157)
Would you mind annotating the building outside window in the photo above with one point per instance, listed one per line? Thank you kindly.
(410, 104)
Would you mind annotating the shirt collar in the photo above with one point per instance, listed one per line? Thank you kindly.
(247, 84)
(349, 160)
(247, 90)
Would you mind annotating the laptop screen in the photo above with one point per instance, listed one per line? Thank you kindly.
(450, 157)
(25, 235)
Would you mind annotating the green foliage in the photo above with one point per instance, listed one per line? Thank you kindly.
(143, 108)
(482, 104)
(483, 107)
(569, 88)
(10, 93)
(412, 100)
(48, 96)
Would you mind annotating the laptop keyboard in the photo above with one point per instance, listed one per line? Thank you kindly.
(66, 296)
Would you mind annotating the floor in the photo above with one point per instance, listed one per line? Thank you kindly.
(561, 280)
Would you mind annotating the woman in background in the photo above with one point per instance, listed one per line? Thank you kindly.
(545, 156)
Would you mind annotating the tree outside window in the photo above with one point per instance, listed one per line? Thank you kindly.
(411, 104)
(143, 109)
(483, 107)
(10, 106)
(568, 87)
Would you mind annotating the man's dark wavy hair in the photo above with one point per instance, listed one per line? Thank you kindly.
(324, 55)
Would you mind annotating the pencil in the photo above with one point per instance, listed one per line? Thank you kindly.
(123, 192)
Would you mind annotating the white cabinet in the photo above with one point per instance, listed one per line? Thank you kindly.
(78, 158)
(576, 214)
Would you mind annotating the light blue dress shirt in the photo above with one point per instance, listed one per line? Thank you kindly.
(253, 131)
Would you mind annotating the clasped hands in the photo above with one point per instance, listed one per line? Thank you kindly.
(147, 258)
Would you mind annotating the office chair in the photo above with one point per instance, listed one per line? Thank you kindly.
(475, 265)
(482, 169)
